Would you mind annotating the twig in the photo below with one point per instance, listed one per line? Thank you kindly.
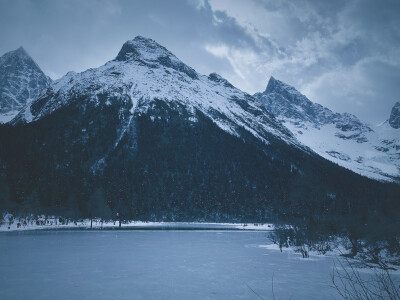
(255, 293)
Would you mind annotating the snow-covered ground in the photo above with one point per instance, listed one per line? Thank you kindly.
(11, 223)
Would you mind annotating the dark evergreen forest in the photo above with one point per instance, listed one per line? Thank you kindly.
(168, 168)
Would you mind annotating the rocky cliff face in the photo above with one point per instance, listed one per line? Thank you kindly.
(21, 81)
(394, 119)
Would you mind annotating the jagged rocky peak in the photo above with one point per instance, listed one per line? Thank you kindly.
(21, 80)
(16, 57)
(20, 52)
(274, 84)
(284, 101)
(290, 93)
(394, 119)
(149, 52)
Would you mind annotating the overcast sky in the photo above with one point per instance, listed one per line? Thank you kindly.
(342, 54)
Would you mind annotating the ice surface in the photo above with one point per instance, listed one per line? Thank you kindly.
(155, 264)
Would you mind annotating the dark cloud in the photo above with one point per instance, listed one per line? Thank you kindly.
(343, 54)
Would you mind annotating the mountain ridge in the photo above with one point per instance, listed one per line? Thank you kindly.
(341, 138)
(144, 70)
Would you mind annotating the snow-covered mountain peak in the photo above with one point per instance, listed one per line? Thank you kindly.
(142, 48)
(285, 101)
(394, 119)
(152, 54)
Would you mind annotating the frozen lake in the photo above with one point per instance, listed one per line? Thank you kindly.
(156, 264)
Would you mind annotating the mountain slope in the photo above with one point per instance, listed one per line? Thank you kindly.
(147, 137)
(21, 81)
(341, 138)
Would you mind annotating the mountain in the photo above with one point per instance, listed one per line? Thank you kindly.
(147, 137)
(341, 138)
(143, 71)
(21, 81)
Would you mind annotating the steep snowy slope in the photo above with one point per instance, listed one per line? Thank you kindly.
(21, 81)
(341, 138)
(144, 71)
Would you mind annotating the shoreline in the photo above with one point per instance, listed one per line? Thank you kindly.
(52, 224)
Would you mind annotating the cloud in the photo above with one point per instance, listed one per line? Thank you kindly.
(329, 50)
(240, 60)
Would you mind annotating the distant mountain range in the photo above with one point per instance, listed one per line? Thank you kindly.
(372, 151)
(146, 136)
